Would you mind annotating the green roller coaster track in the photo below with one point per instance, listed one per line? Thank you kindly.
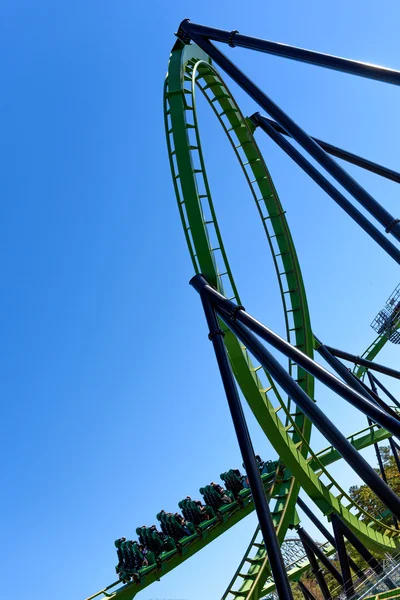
(288, 430)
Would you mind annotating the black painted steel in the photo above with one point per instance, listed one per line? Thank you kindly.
(307, 540)
(343, 556)
(305, 591)
(391, 444)
(349, 157)
(380, 464)
(328, 61)
(298, 395)
(385, 391)
(391, 224)
(380, 416)
(316, 569)
(327, 534)
(395, 453)
(357, 360)
(260, 501)
(341, 527)
(352, 380)
(377, 452)
(371, 394)
(327, 186)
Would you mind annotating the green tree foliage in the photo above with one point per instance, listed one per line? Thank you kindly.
(362, 493)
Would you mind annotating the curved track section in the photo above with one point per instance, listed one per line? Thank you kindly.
(190, 70)
(362, 439)
(286, 427)
(228, 517)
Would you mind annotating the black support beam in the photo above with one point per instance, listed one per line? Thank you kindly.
(357, 360)
(386, 219)
(246, 447)
(349, 157)
(231, 315)
(328, 61)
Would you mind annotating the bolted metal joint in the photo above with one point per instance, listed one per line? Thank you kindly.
(391, 225)
(231, 36)
(182, 33)
(235, 310)
(255, 119)
(212, 334)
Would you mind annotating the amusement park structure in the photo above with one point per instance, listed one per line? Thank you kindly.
(282, 400)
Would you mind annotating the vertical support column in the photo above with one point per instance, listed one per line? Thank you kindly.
(305, 591)
(260, 501)
(395, 453)
(379, 457)
(391, 443)
(316, 570)
(343, 558)
(324, 560)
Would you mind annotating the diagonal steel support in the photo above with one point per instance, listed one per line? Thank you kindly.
(385, 391)
(375, 398)
(349, 157)
(357, 360)
(321, 527)
(340, 528)
(231, 315)
(391, 224)
(343, 557)
(316, 569)
(307, 540)
(371, 395)
(391, 442)
(305, 591)
(320, 59)
(242, 433)
(229, 308)
(394, 447)
(395, 453)
(326, 185)
(351, 379)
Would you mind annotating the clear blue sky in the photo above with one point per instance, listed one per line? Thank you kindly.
(112, 404)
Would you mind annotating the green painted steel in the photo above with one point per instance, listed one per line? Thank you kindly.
(369, 354)
(392, 594)
(186, 74)
(233, 515)
(190, 71)
(362, 439)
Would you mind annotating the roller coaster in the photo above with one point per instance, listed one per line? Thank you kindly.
(282, 400)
